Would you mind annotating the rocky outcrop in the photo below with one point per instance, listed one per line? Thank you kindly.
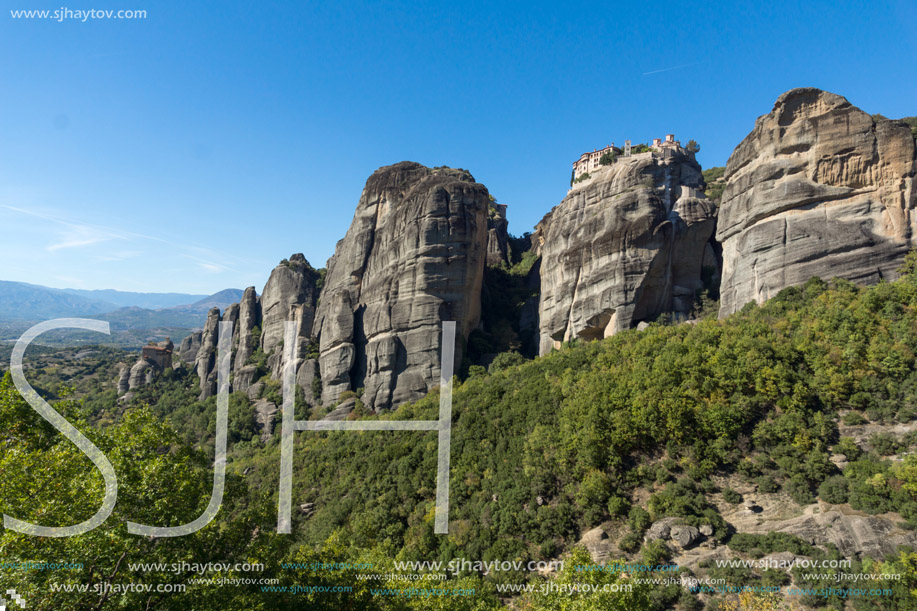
(124, 376)
(249, 318)
(190, 346)
(308, 378)
(205, 364)
(244, 378)
(231, 315)
(626, 245)
(497, 235)
(413, 257)
(141, 374)
(154, 359)
(818, 188)
(258, 323)
(289, 295)
(265, 414)
(853, 532)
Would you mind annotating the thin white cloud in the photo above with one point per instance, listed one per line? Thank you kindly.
(82, 228)
(69, 236)
(74, 243)
(211, 267)
(670, 69)
(118, 256)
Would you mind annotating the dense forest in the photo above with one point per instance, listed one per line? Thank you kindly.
(667, 421)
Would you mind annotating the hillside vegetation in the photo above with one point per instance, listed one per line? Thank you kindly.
(624, 431)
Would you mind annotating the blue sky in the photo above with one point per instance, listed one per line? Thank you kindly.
(192, 150)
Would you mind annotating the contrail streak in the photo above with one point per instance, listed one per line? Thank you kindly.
(668, 69)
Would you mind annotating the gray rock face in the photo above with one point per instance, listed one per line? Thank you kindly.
(624, 246)
(265, 414)
(189, 348)
(497, 235)
(413, 257)
(140, 373)
(685, 536)
(124, 377)
(244, 378)
(306, 377)
(818, 188)
(205, 364)
(231, 314)
(659, 530)
(289, 295)
(863, 535)
(342, 411)
(254, 391)
(600, 545)
(249, 318)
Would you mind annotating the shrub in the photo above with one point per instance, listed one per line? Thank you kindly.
(885, 444)
(618, 506)
(799, 490)
(731, 496)
(848, 447)
(656, 552)
(679, 498)
(592, 495)
(505, 360)
(639, 519)
(630, 542)
(766, 484)
(774, 577)
(834, 490)
(761, 545)
(854, 419)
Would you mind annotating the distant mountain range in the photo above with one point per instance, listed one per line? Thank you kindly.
(123, 299)
(189, 315)
(20, 301)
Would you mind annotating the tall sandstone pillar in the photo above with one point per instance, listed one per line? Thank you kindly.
(413, 257)
(627, 245)
(818, 188)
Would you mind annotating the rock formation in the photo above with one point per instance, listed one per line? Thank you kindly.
(289, 295)
(154, 359)
(497, 235)
(124, 376)
(141, 374)
(244, 377)
(624, 246)
(231, 314)
(818, 188)
(258, 323)
(249, 318)
(413, 257)
(206, 361)
(190, 346)
(265, 415)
